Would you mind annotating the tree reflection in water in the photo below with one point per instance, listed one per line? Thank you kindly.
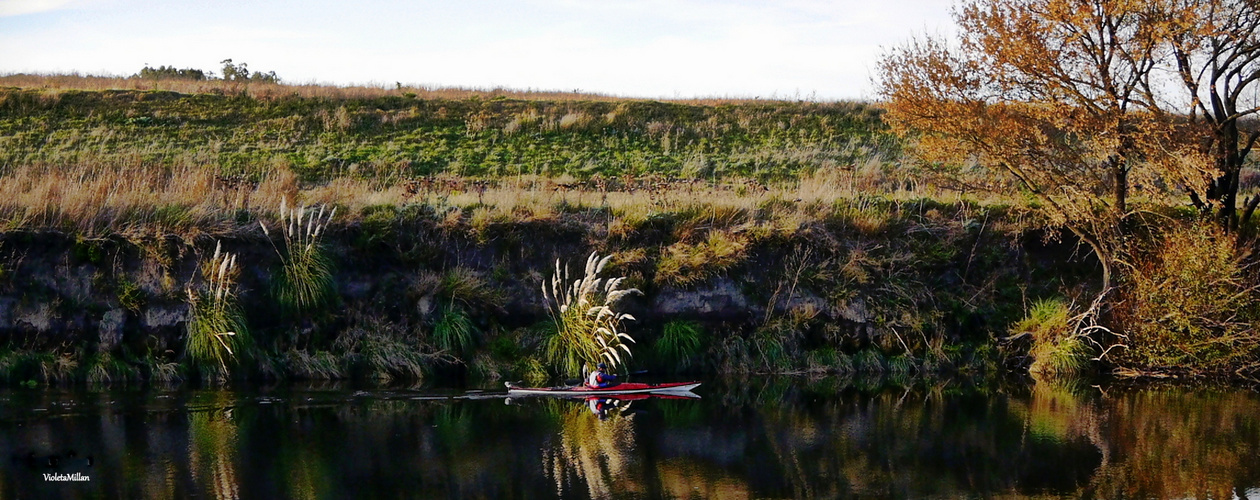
(785, 437)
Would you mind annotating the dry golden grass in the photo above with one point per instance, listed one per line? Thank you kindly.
(131, 196)
(272, 90)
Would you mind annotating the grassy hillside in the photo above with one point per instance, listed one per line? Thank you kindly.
(398, 135)
(79, 157)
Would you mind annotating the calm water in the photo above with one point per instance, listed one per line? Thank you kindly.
(784, 437)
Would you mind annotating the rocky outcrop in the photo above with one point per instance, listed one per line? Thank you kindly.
(56, 289)
(719, 300)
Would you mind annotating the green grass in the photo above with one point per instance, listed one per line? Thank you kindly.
(305, 284)
(390, 137)
(454, 331)
(217, 335)
(680, 343)
(1057, 348)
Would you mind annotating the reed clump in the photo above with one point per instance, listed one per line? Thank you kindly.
(454, 331)
(217, 332)
(588, 330)
(680, 343)
(305, 283)
(1058, 346)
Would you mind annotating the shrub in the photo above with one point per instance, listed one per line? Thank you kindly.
(217, 330)
(1191, 304)
(587, 328)
(170, 73)
(305, 283)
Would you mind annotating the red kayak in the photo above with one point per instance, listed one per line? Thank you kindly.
(621, 388)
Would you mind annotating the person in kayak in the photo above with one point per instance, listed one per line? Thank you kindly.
(600, 379)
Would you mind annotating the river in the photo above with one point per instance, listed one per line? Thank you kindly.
(778, 437)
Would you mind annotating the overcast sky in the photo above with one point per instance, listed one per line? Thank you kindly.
(646, 48)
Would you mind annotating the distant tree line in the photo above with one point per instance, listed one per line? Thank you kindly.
(231, 72)
(172, 73)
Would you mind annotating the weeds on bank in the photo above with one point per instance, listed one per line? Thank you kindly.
(454, 331)
(1192, 305)
(383, 353)
(305, 283)
(105, 368)
(1057, 348)
(680, 342)
(29, 367)
(217, 333)
(587, 327)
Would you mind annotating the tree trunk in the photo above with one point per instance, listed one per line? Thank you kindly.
(1120, 171)
(1228, 163)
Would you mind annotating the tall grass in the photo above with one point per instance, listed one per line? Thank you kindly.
(305, 283)
(587, 327)
(1058, 349)
(217, 333)
(680, 343)
(454, 331)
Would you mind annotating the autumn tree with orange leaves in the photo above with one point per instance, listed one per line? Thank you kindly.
(1084, 104)
(1053, 93)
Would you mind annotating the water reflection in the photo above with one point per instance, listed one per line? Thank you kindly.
(787, 437)
(212, 446)
(594, 448)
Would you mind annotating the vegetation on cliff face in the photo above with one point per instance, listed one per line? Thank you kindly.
(587, 326)
(818, 289)
(215, 324)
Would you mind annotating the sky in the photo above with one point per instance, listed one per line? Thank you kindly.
(795, 49)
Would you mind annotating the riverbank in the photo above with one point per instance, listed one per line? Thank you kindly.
(859, 285)
(766, 236)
